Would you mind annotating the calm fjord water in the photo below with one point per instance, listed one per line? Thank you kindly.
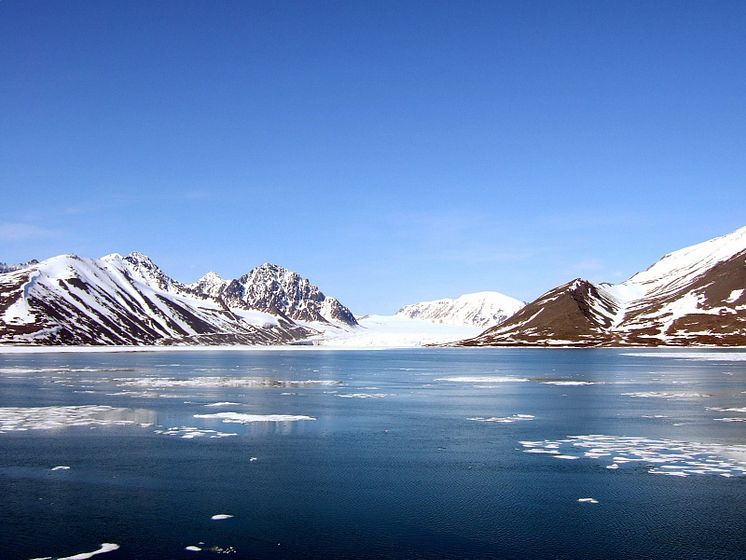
(427, 453)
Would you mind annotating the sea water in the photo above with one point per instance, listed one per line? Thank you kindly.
(426, 453)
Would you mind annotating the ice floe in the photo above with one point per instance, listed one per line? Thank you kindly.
(707, 356)
(60, 468)
(667, 395)
(361, 395)
(220, 516)
(483, 379)
(18, 419)
(503, 419)
(722, 409)
(569, 383)
(241, 418)
(235, 382)
(105, 547)
(732, 419)
(223, 403)
(659, 456)
(193, 548)
(588, 500)
(191, 432)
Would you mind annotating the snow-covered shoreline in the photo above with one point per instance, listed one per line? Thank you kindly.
(724, 350)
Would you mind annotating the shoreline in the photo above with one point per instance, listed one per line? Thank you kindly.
(9, 350)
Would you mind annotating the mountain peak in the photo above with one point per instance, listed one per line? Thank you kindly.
(211, 277)
(275, 289)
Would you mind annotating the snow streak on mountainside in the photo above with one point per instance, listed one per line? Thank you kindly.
(696, 295)
(481, 309)
(129, 300)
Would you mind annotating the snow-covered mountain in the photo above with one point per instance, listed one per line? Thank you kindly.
(481, 309)
(130, 300)
(696, 295)
(279, 291)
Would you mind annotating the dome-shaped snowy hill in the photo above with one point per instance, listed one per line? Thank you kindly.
(482, 309)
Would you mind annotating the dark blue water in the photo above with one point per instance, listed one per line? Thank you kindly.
(403, 473)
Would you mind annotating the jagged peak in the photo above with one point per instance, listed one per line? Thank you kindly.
(211, 277)
(135, 257)
(273, 269)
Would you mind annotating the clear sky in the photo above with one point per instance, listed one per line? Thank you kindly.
(392, 152)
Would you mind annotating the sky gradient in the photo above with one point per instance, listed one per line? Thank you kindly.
(392, 152)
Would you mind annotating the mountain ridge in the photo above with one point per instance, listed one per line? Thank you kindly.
(692, 296)
(129, 300)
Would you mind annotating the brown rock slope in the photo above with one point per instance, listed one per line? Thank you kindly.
(694, 296)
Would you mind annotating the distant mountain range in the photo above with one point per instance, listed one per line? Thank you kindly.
(130, 300)
(481, 309)
(694, 296)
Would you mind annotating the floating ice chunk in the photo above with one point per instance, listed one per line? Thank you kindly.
(684, 458)
(60, 468)
(191, 432)
(707, 356)
(220, 516)
(588, 500)
(569, 457)
(192, 548)
(105, 547)
(503, 419)
(55, 417)
(361, 395)
(483, 379)
(253, 459)
(569, 383)
(669, 473)
(223, 403)
(667, 395)
(241, 418)
(732, 419)
(239, 382)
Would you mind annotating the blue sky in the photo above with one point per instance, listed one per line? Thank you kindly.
(390, 151)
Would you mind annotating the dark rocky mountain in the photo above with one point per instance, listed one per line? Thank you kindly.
(694, 296)
(130, 300)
